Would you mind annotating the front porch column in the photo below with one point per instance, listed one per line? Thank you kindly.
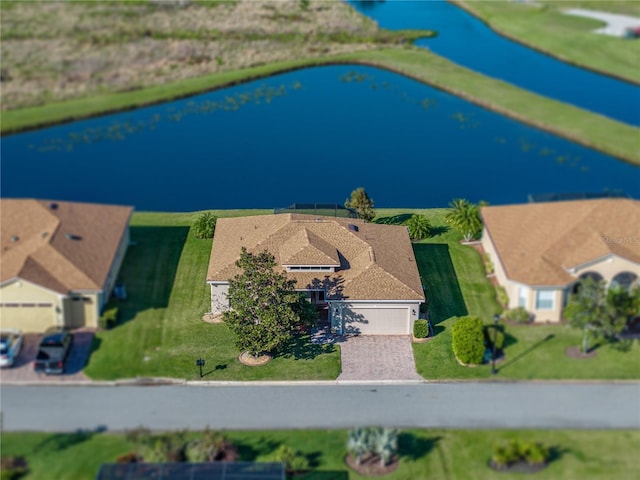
(335, 314)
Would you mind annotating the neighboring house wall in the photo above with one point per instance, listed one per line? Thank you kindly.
(29, 307)
(219, 297)
(112, 277)
(546, 303)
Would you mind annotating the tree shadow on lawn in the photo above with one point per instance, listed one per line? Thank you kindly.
(301, 348)
(444, 296)
(533, 347)
(62, 441)
(394, 219)
(149, 268)
(413, 447)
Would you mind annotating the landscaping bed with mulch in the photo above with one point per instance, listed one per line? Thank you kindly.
(576, 352)
(370, 465)
(247, 359)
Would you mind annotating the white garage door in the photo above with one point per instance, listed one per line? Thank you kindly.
(27, 317)
(376, 321)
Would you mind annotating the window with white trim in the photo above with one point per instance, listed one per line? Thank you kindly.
(523, 293)
(545, 299)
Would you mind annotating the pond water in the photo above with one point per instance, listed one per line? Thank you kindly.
(467, 41)
(307, 136)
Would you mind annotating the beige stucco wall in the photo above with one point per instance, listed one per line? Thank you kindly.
(219, 300)
(82, 309)
(38, 308)
(609, 267)
(510, 287)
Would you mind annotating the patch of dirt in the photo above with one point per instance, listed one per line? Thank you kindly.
(212, 317)
(370, 465)
(576, 352)
(247, 359)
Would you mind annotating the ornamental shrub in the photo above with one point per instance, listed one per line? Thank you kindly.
(12, 468)
(506, 454)
(109, 318)
(421, 329)
(468, 340)
(293, 460)
(518, 315)
(501, 295)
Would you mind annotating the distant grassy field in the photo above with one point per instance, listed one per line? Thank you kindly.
(161, 332)
(424, 454)
(542, 25)
(457, 285)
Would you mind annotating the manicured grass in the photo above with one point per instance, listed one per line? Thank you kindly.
(161, 333)
(425, 454)
(567, 37)
(457, 285)
(595, 131)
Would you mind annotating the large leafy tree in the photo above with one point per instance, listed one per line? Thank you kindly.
(419, 227)
(465, 217)
(593, 310)
(361, 203)
(265, 308)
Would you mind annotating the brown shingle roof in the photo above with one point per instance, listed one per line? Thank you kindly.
(376, 262)
(62, 246)
(538, 243)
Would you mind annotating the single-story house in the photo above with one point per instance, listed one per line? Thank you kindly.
(364, 274)
(59, 261)
(540, 251)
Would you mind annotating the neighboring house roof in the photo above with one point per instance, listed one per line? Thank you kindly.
(539, 243)
(62, 246)
(373, 262)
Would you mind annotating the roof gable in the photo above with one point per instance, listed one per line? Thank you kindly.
(306, 248)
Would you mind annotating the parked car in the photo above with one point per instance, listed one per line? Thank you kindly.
(10, 345)
(53, 351)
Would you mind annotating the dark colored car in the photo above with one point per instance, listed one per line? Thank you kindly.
(53, 351)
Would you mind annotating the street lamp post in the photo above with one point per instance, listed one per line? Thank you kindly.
(496, 319)
(200, 363)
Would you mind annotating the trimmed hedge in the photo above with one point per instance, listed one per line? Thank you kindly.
(514, 451)
(421, 329)
(467, 336)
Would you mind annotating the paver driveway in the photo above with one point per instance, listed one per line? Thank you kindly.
(22, 371)
(377, 357)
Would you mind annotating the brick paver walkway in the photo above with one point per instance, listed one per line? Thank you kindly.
(377, 358)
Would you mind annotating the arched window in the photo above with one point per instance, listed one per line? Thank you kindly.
(594, 275)
(624, 280)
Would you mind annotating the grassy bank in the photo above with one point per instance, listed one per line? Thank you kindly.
(457, 286)
(424, 454)
(595, 131)
(543, 26)
(161, 331)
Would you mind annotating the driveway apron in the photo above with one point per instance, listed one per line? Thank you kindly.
(377, 358)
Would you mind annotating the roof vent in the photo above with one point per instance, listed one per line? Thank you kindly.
(53, 206)
(71, 236)
(14, 238)
(44, 234)
(353, 228)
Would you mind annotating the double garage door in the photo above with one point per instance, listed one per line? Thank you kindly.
(27, 317)
(365, 320)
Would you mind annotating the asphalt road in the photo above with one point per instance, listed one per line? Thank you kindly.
(447, 405)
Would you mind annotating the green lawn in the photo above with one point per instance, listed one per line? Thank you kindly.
(425, 454)
(161, 332)
(567, 37)
(456, 285)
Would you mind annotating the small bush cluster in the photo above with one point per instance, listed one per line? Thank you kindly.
(110, 317)
(13, 468)
(518, 315)
(468, 340)
(293, 460)
(373, 441)
(501, 295)
(421, 329)
(177, 447)
(514, 451)
(488, 264)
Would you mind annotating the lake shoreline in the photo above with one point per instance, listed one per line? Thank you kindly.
(597, 131)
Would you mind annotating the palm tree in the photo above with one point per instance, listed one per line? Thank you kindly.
(358, 443)
(419, 227)
(465, 217)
